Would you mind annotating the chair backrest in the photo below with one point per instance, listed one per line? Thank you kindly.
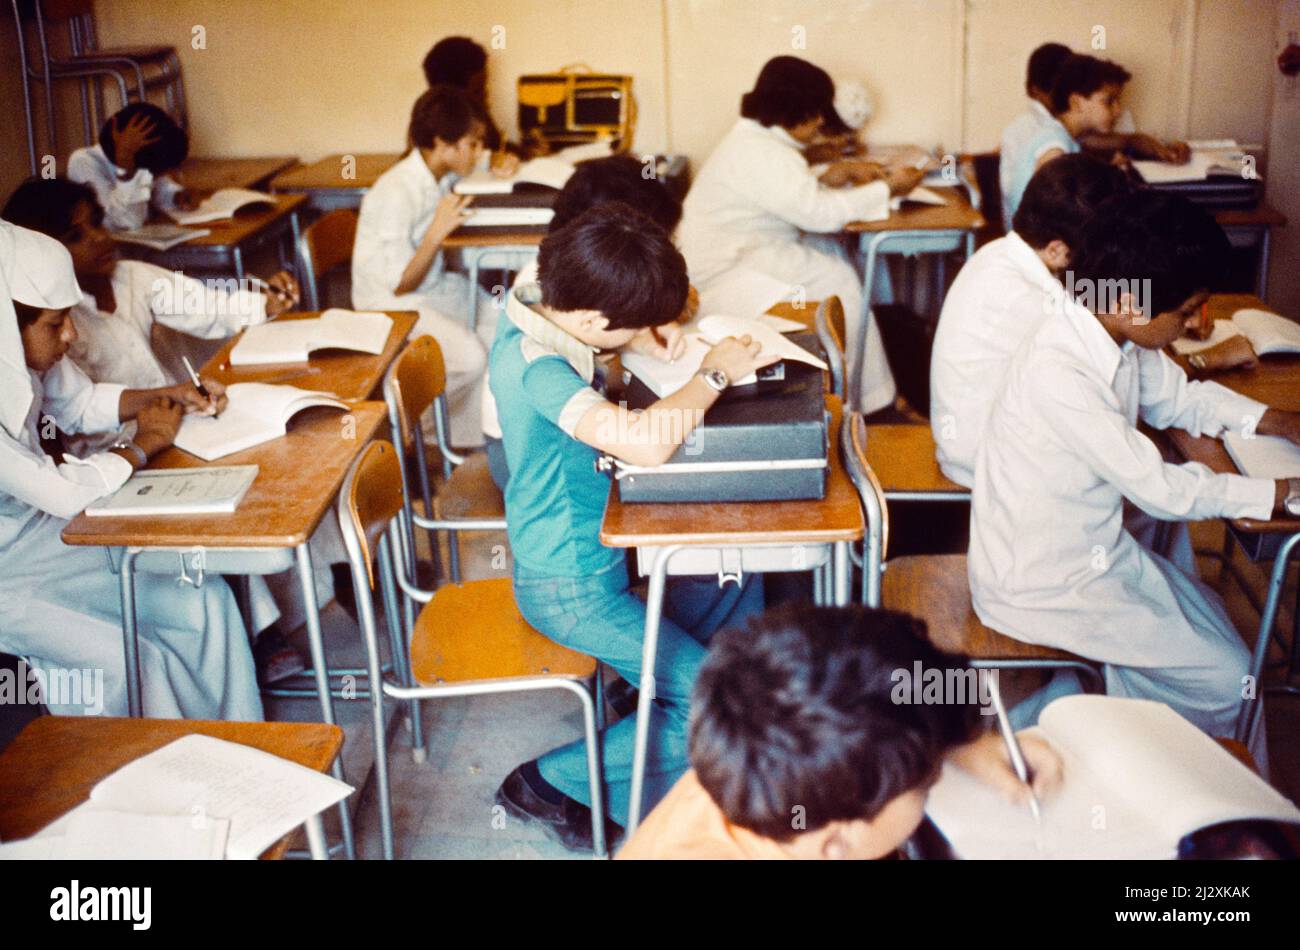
(370, 498)
(871, 495)
(56, 10)
(987, 180)
(829, 323)
(326, 244)
(417, 377)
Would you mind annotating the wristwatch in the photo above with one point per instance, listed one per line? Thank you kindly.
(716, 378)
(130, 446)
(1291, 504)
(1197, 361)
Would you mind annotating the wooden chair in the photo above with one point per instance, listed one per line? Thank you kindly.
(415, 382)
(468, 639)
(325, 244)
(935, 587)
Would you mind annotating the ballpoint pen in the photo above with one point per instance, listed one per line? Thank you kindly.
(198, 384)
(1013, 747)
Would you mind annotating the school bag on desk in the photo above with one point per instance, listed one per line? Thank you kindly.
(574, 107)
(766, 441)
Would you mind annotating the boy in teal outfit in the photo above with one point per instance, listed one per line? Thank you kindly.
(609, 280)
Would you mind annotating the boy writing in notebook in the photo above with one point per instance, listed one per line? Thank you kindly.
(1051, 560)
(609, 280)
(801, 748)
(132, 168)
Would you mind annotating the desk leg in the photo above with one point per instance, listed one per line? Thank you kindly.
(859, 356)
(130, 641)
(238, 257)
(316, 844)
(316, 639)
(1261, 274)
(843, 574)
(295, 235)
(473, 290)
(1251, 708)
(649, 649)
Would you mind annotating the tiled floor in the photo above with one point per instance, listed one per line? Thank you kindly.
(444, 808)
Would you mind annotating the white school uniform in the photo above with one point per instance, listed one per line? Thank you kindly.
(1000, 297)
(118, 348)
(756, 206)
(126, 201)
(395, 215)
(59, 605)
(1025, 140)
(1051, 561)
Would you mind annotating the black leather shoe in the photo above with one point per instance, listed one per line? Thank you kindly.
(569, 823)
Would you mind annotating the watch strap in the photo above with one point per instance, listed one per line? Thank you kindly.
(129, 444)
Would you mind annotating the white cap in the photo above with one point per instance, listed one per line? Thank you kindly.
(853, 103)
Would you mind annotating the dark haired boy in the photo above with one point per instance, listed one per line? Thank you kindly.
(1052, 561)
(129, 168)
(799, 747)
(616, 178)
(1084, 99)
(1000, 296)
(461, 62)
(606, 281)
(397, 259)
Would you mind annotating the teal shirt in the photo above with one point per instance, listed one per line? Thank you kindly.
(555, 498)
(1020, 160)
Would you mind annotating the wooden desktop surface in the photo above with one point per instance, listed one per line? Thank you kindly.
(1260, 216)
(297, 480)
(53, 764)
(346, 374)
(837, 517)
(230, 232)
(956, 215)
(463, 236)
(205, 175)
(327, 173)
(1274, 381)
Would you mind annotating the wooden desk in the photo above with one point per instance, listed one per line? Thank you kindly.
(1253, 227)
(727, 539)
(222, 250)
(1275, 381)
(53, 764)
(336, 181)
(206, 175)
(346, 374)
(913, 229)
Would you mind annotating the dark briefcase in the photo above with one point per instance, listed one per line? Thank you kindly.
(762, 442)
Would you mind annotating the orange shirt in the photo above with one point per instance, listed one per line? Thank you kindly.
(687, 825)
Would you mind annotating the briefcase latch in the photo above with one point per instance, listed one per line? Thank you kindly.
(730, 567)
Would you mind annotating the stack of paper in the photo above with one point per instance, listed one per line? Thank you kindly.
(195, 798)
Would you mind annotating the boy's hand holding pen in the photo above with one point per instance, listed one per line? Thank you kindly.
(206, 396)
(281, 291)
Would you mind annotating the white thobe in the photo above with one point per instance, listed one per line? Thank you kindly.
(60, 604)
(1051, 561)
(126, 201)
(118, 347)
(395, 215)
(756, 206)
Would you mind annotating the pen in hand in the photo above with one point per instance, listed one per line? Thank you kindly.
(198, 384)
(1013, 748)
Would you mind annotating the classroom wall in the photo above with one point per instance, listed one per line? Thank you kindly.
(311, 77)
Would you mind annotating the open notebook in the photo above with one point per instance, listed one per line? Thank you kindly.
(547, 170)
(220, 205)
(196, 797)
(666, 378)
(1267, 332)
(257, 413)
(1263, 456)
(293, 341)
(160, 237)
(1137, 778)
